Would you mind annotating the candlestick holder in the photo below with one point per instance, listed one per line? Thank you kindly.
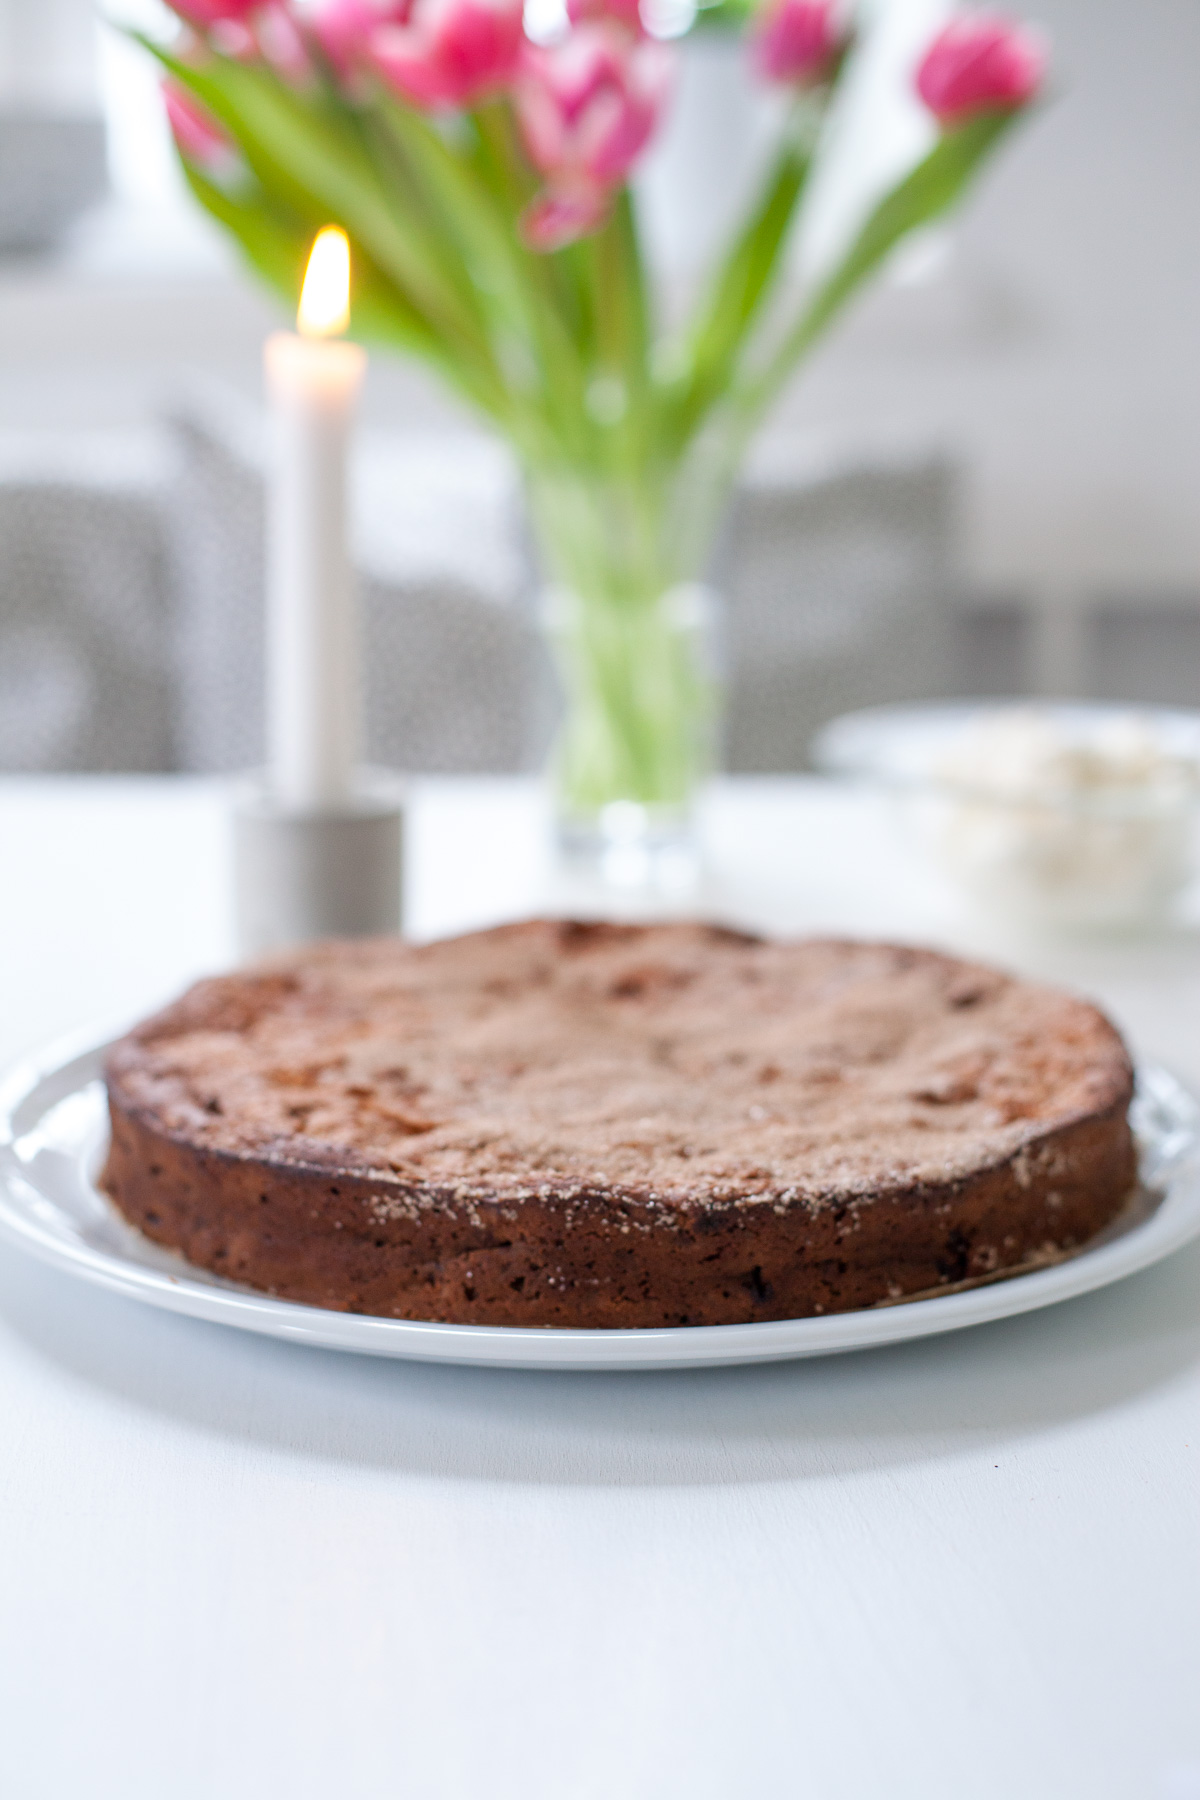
(300, 875)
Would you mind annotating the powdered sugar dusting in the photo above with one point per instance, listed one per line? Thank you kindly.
(655, 1067)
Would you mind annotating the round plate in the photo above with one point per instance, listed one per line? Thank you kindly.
(53, 1135)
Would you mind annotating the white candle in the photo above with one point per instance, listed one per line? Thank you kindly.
(313, 698)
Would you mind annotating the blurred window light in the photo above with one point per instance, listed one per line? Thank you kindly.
(546, 21)
(141, 158)
(712, 155)
(668, 18)
(878, 129)
(1181, 1781)
(48, 55)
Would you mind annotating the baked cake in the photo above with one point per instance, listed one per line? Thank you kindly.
(599, 1125)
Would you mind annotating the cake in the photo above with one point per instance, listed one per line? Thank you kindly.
(589, 1125)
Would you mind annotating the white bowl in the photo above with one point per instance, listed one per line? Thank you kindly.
(1059, 813)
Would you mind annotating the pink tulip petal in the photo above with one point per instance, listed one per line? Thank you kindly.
(588, 107)
(624, 12)
(479, 43)
(798, 41)
(981, 63)
(233, 37)
(280, 43)
(542, 126)
(344, 27)
(451, 52)
(198, 135)
(404, 57)
(555, 219)
(205, 13)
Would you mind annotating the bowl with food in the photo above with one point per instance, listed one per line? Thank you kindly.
(1069, 813)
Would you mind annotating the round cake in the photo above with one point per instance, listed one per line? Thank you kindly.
(560, 1124)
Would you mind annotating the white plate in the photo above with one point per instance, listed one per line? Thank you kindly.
(53, 1133)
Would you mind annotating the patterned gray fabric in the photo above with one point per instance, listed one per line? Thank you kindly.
(131, 610)
(838, 566)
(85, 666)
(449, 657)
(52, 168)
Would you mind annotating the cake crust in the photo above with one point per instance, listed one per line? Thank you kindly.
(556, 1124)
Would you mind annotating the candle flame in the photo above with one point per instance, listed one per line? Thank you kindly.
(325, 296)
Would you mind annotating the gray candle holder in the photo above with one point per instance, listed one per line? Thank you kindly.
(301, 875)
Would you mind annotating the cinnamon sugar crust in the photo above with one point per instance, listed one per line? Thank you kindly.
(556, 1123)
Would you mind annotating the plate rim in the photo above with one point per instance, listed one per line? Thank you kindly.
(1174, 1222)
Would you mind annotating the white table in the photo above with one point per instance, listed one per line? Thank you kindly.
(231, 1569)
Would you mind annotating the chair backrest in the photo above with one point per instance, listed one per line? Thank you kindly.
(131, 582)
(840, 570)
(450, 661)
(86, 674)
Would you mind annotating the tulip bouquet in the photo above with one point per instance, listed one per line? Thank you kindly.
(481, 166)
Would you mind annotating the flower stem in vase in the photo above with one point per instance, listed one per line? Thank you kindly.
(633, 643)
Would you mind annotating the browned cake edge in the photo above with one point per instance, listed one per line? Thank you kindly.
(356, 1243)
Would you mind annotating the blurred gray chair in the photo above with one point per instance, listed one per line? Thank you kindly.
(840, 578)
(52, 168)
(131, 615)
(449, 655)
(86, 678)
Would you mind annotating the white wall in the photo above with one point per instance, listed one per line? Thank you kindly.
(48, 55)
(1061, 349)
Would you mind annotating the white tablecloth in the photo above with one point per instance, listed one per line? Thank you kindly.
(967, 1569)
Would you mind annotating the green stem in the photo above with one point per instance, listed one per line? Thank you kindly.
(749, 273)
(629, 644)
(926, 193)
(306, 153)
(640, 705)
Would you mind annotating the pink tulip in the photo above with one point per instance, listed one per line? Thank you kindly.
(222, 17)
(980, 63)
(199, 137)
(204, 13)
(343, 28)
(279, 41)
(246, 29)
(589, 105)
(798, 41)
(622, 12)
(558, 217)
(450, 52)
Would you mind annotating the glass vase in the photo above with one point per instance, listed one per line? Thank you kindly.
(633, 638)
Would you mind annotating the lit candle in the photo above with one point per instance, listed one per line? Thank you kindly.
(313, 698)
